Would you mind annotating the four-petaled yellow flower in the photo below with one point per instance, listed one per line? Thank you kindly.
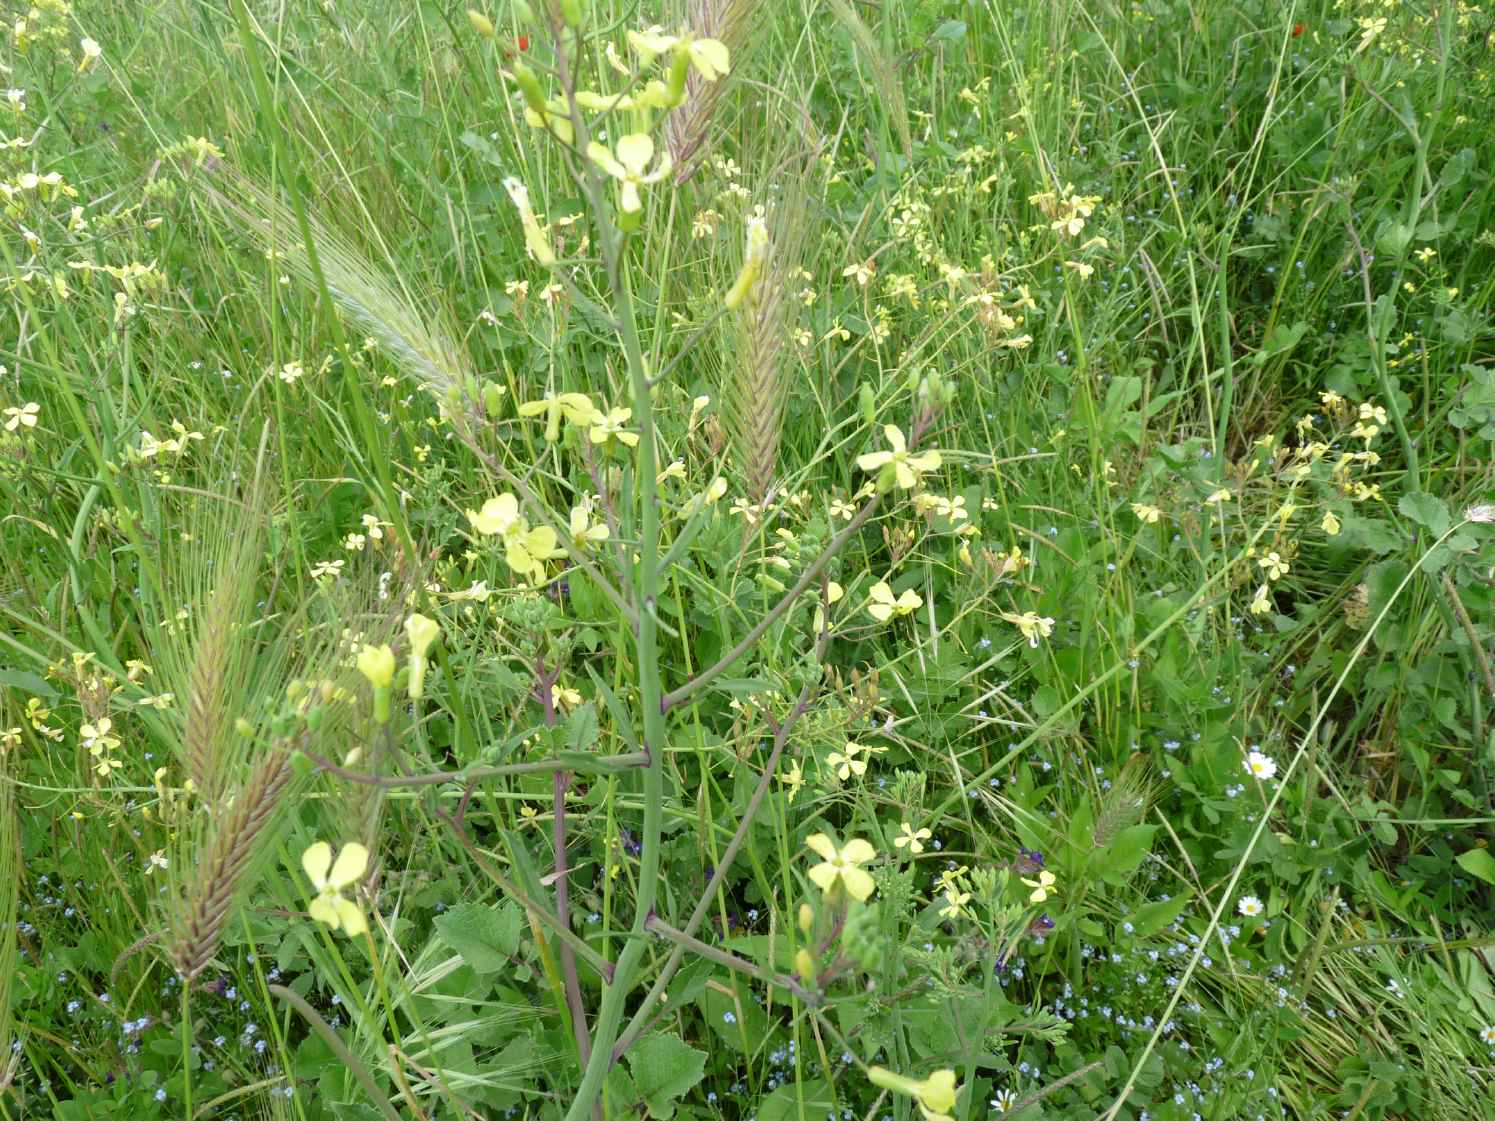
(1043, 887)
(584, 531)
(1146, 514)
(1033, 625)
(575, 407)
(497, 517)
(610, 426)
(1274, 566)
(912, 839)
(842, 866)
(526, 550)
(24, 417)
(710, 57)
(882, 606)
(847, 765)
(330, 879)
(629, 167)
(898, 466)
(955, 903)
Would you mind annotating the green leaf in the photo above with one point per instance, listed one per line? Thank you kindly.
(1153, 917)
(809, 1099)
(1126, 852)
(1426, 510)
(581, 727)
(484, 936)
(664, 1068)
(1478, 863)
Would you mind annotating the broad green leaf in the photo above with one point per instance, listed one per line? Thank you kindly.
(664, 1068)
(484, 936)
(1479, 863)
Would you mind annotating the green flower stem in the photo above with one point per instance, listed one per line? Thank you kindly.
(657, 925)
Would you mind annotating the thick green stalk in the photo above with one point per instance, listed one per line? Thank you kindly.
(651, 691)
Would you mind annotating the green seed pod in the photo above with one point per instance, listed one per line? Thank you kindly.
(493, 395)
(679, 69)
(529, 86)
(867, 402)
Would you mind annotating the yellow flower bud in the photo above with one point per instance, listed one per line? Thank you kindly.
(421, 632)
(377, 663)
(806, 918)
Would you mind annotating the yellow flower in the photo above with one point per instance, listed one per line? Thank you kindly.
(911, 839)
(377, 663)
(1330, 523)
(1261, 602)
(96, 738)
(841, 866)
(898, 465)
(497, 517)
(935, 1094)
(24, 417)
(584, 531)
(710, 57)
(330, 879)
(575, 407)
(861, 272)
(1276, 568)
(955, 903)
(628, 167)
(527, 550)
(422, 632)
(1219, 496)
(847, 765)
(1032, 625)
(793, 780)
(91, 51)
(564, 697)
(1043, 887)
(676, 470)
(882, 606)
(1145, 513)
(610, 427)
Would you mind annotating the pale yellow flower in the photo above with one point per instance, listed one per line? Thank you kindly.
(710, 57)
(935, 1095)
(611, 427)
(574, 407)
(628, 167)
(903, 467)
(1149, 515)
(842, 866)
(1274, 566)
(24, 417)
(498, 516)
(377, 664)
(882, 606)
(912, 839)
(1032, 625)
(1042, 887)
(330, 879)
(584, 531)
